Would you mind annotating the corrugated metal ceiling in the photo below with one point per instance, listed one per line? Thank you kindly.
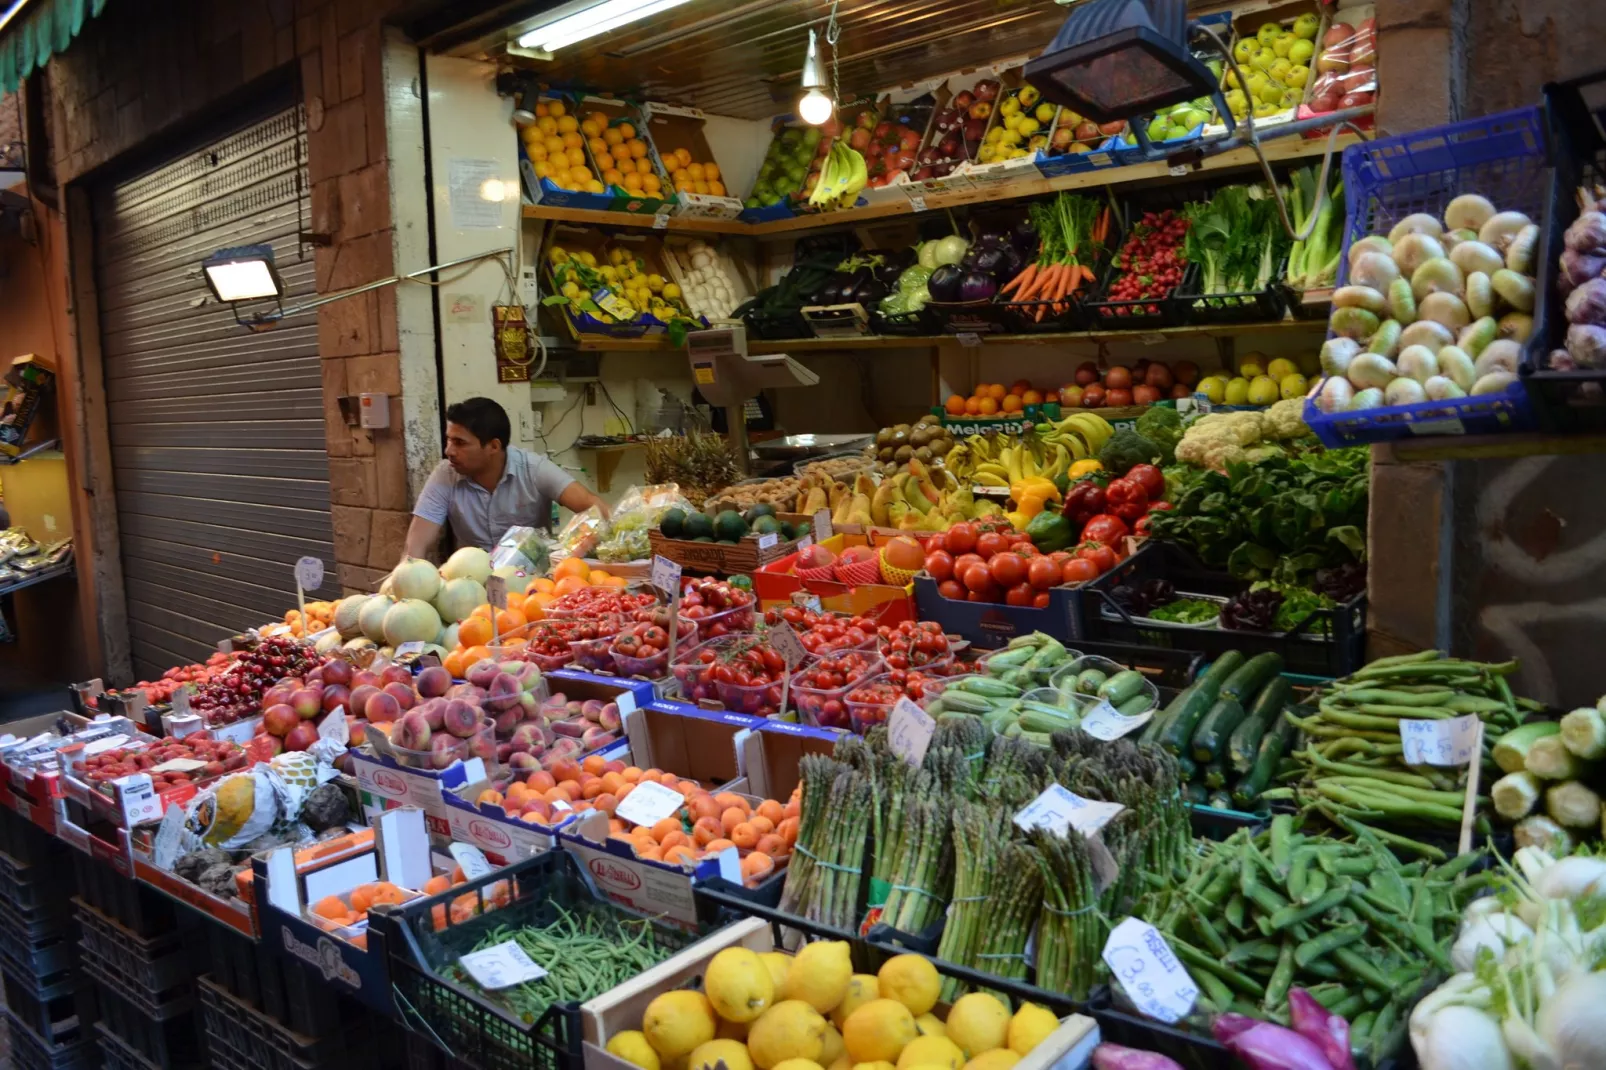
(744, 57)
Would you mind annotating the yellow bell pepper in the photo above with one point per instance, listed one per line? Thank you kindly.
(1083, 468)
(1034, 485)
(1018, 520)
(1032, 503)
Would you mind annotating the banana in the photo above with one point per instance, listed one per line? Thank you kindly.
(990, 479)
(897, 512)
(814, 502)
(1010, 459)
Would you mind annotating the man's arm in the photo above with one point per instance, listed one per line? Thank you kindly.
(429, 513)
(422, 535)
(577, 499)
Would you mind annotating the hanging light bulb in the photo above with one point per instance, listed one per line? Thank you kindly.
(816, 107)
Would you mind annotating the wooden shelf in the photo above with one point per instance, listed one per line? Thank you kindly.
(608, 460)
(1278, 151)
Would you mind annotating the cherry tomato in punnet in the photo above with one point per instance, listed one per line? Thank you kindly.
(1007, 569)
(1042, 573)
(1079, 570)
(940, 563)
(960, 539)
(991, 543)
(976, 577)
(1019, 595)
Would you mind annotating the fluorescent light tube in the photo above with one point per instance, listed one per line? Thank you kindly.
(573, 23)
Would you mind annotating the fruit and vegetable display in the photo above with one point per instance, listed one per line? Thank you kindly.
(1149, 264)
(556, 145)
(1260, 382)
(965, 271)
(790, 164)
(891, 146)
(237, 692)
(1076, 133)
(710, 291)
(1276, 64)
(700, 463)
(1582, 264)
(1118, 386)
(727, 525)
(641, 508)
(159, 692)
(1071, 231)
(1019, 568)
(958, 130)
(1346, 66)
(1237, 239)
(687, 174)
(197, 759)
(620, 290)
(1018, 129)
(1313, 260)
(1437, 310)
(1069, 447)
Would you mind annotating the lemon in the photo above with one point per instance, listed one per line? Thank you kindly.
(1262, 390)
(831, 1046)
(1293, 385)
(1030, 1027)
(862, 988)
(978, 1023)
(1213, 387)
(727, 1030)
(672, 291)
(879, 1030)
(789, 1030)
(931, 1051)
(911, 980)
(778, 965)
(733, 1053)
(632, 1047)
(738, 984)
(879, 1064)
(930, 1025)
(1280, 367)
(1237, 390)
(819, 975)
(997, 1059)
(676, 1022)
(843, 1062)
(799, 1064)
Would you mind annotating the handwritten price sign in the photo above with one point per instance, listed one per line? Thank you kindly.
(1105, 722)
(909, 731)
(1148, 970)
(1451, 742)
(1058, 809)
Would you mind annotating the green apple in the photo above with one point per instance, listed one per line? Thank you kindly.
(1283, 44)
(1159, 130)
(1262, 110)
(1297, 77)
(1236, 102)
(1280, 69)
(1301, 51)
(1044, 113)
(1244, 50)
(1271, 93)
(1264, 58)
(1291, 97)
(1256, 83)
(1268, 32)
(1306, 26)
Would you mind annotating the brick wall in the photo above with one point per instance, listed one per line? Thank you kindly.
(114, 93)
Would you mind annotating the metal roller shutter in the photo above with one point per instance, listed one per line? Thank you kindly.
(217, 433)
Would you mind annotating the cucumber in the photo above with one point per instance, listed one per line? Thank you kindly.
(1219, 670)
(955, 698)
(987, 687)
(1152, 730)
(1088, 681)
(1196, 793)
(1272, 745)
(1178, 731)
(1037, 718)
(1124, 685)
(1185, 764)
(1210, 738)
(1244, 742)
(1247, 680)
(1136, 706)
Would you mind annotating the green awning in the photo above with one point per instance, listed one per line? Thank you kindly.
(40, 30)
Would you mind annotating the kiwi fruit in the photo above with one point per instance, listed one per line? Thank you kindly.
(923, 454)
(883, 436)
(904, 452)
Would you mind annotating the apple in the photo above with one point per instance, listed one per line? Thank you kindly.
(980, 110)
(279, 719)
(1357, 79)
(964, 99)
(873, 152)
(1111, 129)
(947, 148)
(909, 140)
(1086, 131)
(974, 129)
(1337, 35)
(859, 139)
(1071, 396)
(1081, 146)
(924, 173)
(301, 736)
(1145, 394)
(882, 129)
(1356, 100)
(865, 120)
(987, 89)
(901, 161)
(830, 128)
(307, 702)
(944, 168)
(1087, 373)
(1061, 139)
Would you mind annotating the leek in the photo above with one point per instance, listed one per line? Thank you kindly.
(1515, 795)
(1316, 246)
(1584, 732)
(1511, 749)
(1572, 805)
(1549, 758)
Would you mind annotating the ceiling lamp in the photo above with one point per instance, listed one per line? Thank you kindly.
(570, 23)
(816, 107)
(1114, 59)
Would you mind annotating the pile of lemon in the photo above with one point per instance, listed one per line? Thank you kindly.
(1276, 67)
(1258, 382)
(812, 1012)
(693, 176)
(557, 149)
(622, 274)
(1022, 118)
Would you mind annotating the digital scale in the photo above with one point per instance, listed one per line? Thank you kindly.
(727, 375)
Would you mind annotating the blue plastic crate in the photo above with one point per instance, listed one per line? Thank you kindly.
(1502, 157)
(1101, 155)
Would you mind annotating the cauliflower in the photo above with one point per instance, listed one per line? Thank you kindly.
(1244, 428)
(1210, 450)
(1286, 419)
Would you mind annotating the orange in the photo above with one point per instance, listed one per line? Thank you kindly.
(475, 631)
(508, 620)
(612, 136)
(570, 140)
(453, 663)
(330, 907)
(680, 178)
(477, 653)
(540, 600)
(699, 187)
(695, 170)
(571, 566)
(386, 892)
(362, 897)
(1012, 403)
(626, 131)
(644, 166)
(515, 601)
(988, 407)
(436, 885)
(996, 391)
(596, 144)
(716, 187)
(632, 182)
(651, 184)
(539, 585)
(568, 585)
(616, 581)
(683, 156)
(605, 161)
(710, 171)
(568, 124)
(972, 406)
(1031, 397)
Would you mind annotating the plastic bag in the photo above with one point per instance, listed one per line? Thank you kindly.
(580, 535)
(1348, 66)
(523, 548)
(638, 511)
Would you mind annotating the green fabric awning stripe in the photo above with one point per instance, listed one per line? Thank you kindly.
(42, 29)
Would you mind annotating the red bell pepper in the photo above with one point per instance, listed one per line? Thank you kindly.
(1150, 478)
(1127, 499)
(1083, 501)
(1104, 528)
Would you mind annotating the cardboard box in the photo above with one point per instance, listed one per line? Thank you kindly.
(906, 107)
(677, 257)
(989, 624)
(641, 884)
(624, 690)
(538, 190)
(580, 321)
(504, 839)
(27, 384)
(775, 584)
(671, 128)
(771, 751)
(34, 772)
(238, 914)
(648, 247)
(617, 114)
(963, 82)
(384, 785)
(688, 741)
(108, 843)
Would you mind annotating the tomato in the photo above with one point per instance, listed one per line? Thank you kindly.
(964, 561)
(1079, 570)
(1059, 557)
(1007, 569)
(1099, 555)
(983, 596)
(940, 563)
(1026, 549)
(977, 578)
(1019, 595)
(991, 543)
(1150, 478)
(1043, 573)
(1040, 600)
(1105, 528)
(960, 539)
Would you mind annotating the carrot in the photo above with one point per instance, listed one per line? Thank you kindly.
(1024, 279)
(1041, 283)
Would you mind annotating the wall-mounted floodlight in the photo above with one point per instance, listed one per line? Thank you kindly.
(244, 273)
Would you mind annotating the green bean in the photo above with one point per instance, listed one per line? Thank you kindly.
(1359, 1029)
(1464, 703)
(1393, 697)
(1315, 888)
(1321, 761)
(1360, 720)
(1291, 914)
(1456, 866)
(1327, 942)
(1207, 933)
(1360, 968)
(1282, 830)
(1404, 659)
(1299, 871)
(1382, 836)
(1194, 957)
(1251, 951)
(1281, 977)
(1215, 988)
(1234, 911)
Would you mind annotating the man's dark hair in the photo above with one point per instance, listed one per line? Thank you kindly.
(482, 416)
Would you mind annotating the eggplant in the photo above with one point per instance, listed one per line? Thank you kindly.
(1014, 262)
(991, 261)
(977, 286)
(887, 273)
(944, 283)
(870, 291)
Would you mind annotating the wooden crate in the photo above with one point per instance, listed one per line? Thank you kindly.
(726, 557)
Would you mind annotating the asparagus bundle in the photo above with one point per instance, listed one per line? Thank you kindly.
(1015, 902)
(1071, 932)
(922, 871)
(1144, 778)
(823, 880)
(980, 831)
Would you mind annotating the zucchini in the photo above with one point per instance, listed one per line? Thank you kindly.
(1136, 706)
(1219, 670)
(1215, 775)
(1190, 706)
(1210, 738)
(1251, 676)
(1088, 681)
(1220, 800)
(1196, 793)
(1244, 742)
(1121, 687)
(1157, 724)
(1186, 767)
(1272, 745)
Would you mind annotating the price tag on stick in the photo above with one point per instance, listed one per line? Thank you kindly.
(909, 731)
(790, 647)
(501, 966)
(1149, 971)
(1058, 809)
(309, 577)
(1103, 721)
(1450, 742)
(496, 597)
(1469, 806)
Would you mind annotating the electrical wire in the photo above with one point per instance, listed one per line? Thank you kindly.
(629, 423)
(547, 445)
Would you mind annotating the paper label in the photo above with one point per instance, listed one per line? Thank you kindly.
(918, 203)
(822, 525)
(1148, 969)
(471, 860)
(309, 573)
(1450, 425)
(501, 966)
(1058, 809)
(766, 541)
(614, 305)
(417, 645)
(1103, 721)
(804, 542)
(1177, 169)
(178, 765)
(665, 575)
(626, 701)
(649, 803)
(495, 594)
(807, 599)
(181, 702)
(968, 338)
(164, 849)
(730, 865)
(179, 727)
(316, 636)
(138, 798)
(909, 730)
(787, 644)
(335, 727)
(1151, 338)
(1450, 742)
(226, 646)
(102, 745)
(660, 221)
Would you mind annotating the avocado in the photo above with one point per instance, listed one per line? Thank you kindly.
(766, 525)
(697, 526)
(729, 526)
(672, 523)
(761, 509)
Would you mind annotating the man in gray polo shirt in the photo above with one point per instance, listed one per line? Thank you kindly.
(485, 486)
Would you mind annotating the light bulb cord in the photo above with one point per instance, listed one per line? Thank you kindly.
(833, 31)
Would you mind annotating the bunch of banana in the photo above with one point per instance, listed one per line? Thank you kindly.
(1082, 433)
(853, 506)
(919, 498)
(843, 176)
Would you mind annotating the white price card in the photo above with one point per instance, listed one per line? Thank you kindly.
(1103, 721)
(909, 730)
(787, 644)
(309, 573)
(804, 542)
(1178, 169)
(495, 594)
(138, 798)
(181, 702)
(1058, 809)
(164, 849)
(502, 966)
(1149, 971)
(766, 541)
(822, 525)
(649, 803)
(335, 727)
(730, 865)
(1449, 742)
(807, 599)
(106, 744)
(968, 338)
(178, 765)
(918, 203)
(226, 646)
(417, 645)
(660, 221)
(665, 575)
(471, 860)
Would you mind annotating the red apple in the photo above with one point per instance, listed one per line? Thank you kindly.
(964, 99)
(901, 161)
(307, 702)
(278, 720)
(1145, 394)
(1158, 375)
(1086, 131)
(882, 129)
(909, 140)
(1337, 34)
(1181, 390)
(334, 695)
(980, 110)
(1111, 129)
(1087, 374)
(1061, 139)
(1093, 396)
(987, 89)
(1118, 397)
(301, 736)
(1357, 100)
(859, 139)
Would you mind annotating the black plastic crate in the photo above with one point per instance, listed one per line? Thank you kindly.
(1264, 306)
(240, 1036)
(464, 1021)
(970, 317)
(116, 1055)
(137, 907)
(905, 324)
(1058, 316)
(39, 888)
(1341, 650)
(1191, 1050)
(1213, 824)
(1301, 309)
(275, 985)
(174, 1044)
(778, 326)
(1175, 309)
(58, 1018)
(44, 960)
(29, 1051)
(153, 973)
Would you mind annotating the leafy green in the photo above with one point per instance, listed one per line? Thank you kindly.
(1278, 519)
(1187, 611)
(1239, 238)
(1298, 603)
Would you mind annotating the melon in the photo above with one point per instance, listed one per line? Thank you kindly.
(371, 618)
(468, 563)
(346, 615)
(328, 643)
(415, 578)
(411, 620)
(459, 598)
(448, 637)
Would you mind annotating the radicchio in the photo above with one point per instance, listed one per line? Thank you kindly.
(1328, 1031)
(1264, 1046)
(1115, 1057)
